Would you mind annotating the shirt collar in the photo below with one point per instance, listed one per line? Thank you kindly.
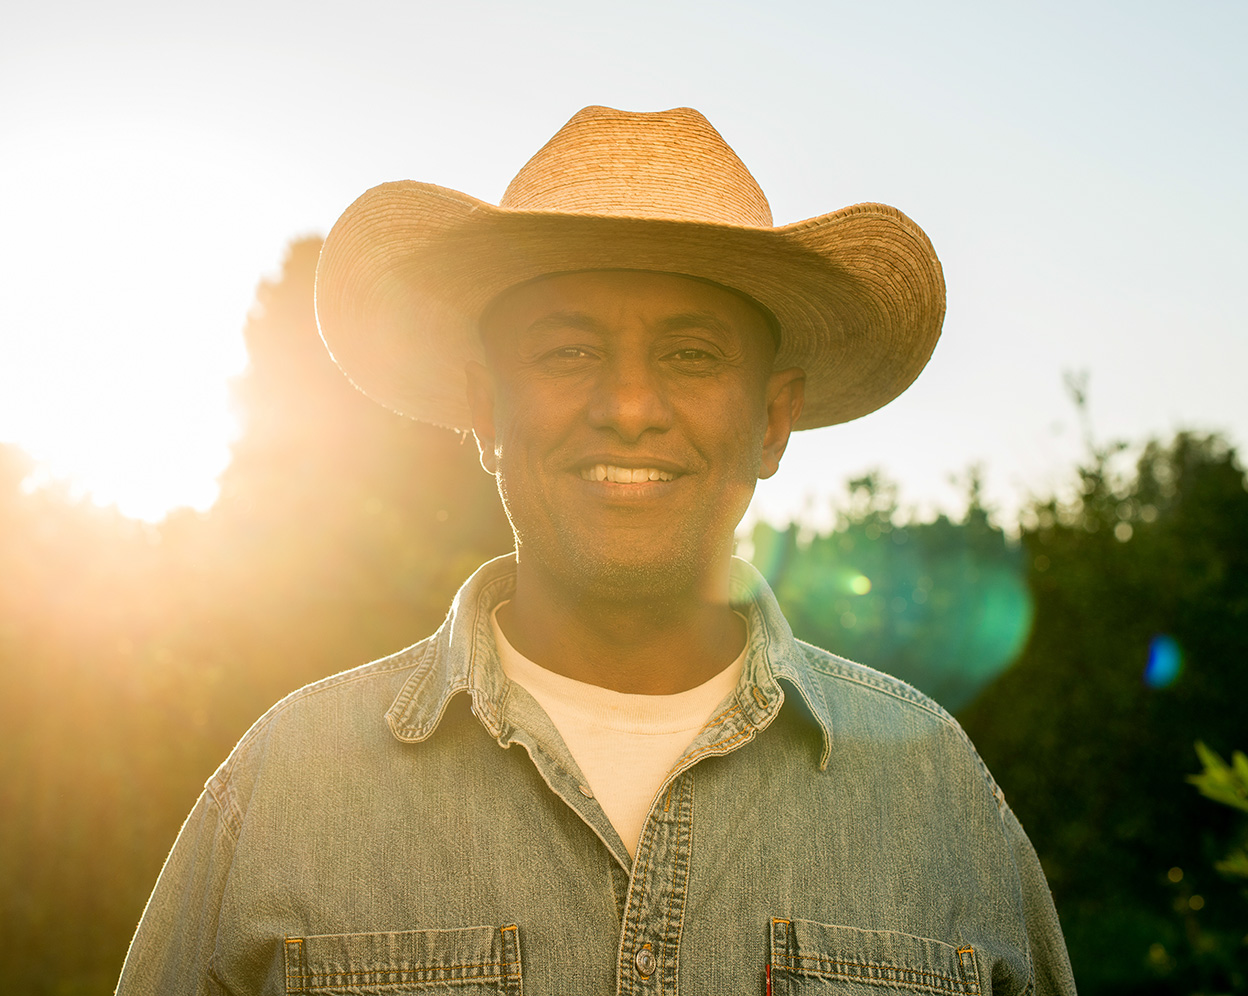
(461, 657)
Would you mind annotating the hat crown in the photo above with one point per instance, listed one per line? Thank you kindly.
(660, 165)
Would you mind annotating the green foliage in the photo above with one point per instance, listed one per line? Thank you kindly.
(1222, 782)
(1087, 741)
(1235, 864)
(1227, 784)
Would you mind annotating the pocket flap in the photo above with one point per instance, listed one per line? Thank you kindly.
(411, 959)
(805, 949)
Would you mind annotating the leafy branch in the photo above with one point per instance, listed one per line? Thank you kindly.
(1227, 784)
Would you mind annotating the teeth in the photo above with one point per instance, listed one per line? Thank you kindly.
(624, 475)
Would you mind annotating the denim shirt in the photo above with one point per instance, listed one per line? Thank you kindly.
(417, 826)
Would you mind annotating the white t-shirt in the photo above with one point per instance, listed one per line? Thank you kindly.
(624, 744)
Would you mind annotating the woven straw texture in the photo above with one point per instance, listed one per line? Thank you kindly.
(409, 268)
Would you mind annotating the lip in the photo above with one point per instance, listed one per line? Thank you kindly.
(634, 497)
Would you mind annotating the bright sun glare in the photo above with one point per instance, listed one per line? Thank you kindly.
(125, 295)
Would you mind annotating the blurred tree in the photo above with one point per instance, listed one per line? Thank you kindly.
(82, 598)
(1141, 633)
(343, 530)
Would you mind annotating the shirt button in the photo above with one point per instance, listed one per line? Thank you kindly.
(644, 962)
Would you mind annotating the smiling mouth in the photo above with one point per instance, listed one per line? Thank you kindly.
(624, 475)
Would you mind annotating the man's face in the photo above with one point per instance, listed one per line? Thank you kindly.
(627, 415)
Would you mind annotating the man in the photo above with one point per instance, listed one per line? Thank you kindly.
(699, 803)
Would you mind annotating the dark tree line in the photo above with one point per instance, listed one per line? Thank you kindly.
(1094, 749)
(132, 657)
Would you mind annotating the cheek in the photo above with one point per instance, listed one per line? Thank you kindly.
(739, 426)
(519, 423)
(528, 415)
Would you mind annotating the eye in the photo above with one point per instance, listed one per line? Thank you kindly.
(568, 353)
(694, 360)
(565, 357)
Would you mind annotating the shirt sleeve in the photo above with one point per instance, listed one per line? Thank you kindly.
(177, 934)
(1049, 960)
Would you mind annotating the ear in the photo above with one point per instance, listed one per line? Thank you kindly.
(786, 393)
(481, 404)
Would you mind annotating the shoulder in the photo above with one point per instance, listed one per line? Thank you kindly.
(338, 712)
(357, 688)
(887, 692)
(887, 715)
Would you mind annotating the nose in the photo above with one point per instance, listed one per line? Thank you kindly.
(630, 398)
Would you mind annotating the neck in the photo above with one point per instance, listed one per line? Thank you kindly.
(644, 645)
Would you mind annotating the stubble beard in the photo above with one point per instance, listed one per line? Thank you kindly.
(664, 575)
(664, 583)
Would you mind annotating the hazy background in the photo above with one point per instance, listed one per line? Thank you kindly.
(1078, 166)
(165, 176)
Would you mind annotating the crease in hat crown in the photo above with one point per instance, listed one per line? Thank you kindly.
(663, 165)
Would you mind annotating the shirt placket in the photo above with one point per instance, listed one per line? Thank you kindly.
(654, 912)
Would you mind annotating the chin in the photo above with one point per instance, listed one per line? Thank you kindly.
(623, 576)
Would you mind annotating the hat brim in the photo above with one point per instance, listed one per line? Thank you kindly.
(409, 268)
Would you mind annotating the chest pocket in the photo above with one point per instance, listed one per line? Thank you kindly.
(470, 961)
(810, 958)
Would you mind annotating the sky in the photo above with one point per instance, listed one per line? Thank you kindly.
(1079, 168)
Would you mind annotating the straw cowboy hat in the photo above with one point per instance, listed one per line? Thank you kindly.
(408, 269)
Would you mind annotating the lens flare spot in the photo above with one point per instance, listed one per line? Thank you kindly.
(860, 584)
(1165, 661)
